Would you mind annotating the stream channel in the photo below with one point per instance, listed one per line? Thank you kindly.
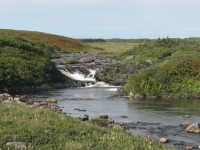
(156, 118)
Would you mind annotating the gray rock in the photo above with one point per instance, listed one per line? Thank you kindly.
(120, 92)
(103, 116)
(86, 60)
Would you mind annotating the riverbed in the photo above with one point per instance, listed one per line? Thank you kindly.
(155, 118)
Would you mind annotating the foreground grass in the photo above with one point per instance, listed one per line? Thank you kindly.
(44, 129)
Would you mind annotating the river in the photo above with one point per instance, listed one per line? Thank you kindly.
(157, 118)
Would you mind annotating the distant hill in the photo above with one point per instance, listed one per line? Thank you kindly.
(60, 43)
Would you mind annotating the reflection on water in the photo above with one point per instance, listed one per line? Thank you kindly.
(156, 118)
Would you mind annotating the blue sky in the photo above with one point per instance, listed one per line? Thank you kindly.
(104, 18)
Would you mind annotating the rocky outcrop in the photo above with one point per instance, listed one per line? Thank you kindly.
(117, 73)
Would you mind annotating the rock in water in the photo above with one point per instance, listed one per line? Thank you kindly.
(163, 140)
(103, 116)
(193, 128)
(186, 124)
(83, 117)
(51, 100)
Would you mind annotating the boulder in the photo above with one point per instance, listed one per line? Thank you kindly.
(188, 148)
(186, 124)
(10, 98)
(83, 117)
(22, 98)
(4, 96)
(117, 126)
(16, 99)
(120, 92)
(36, 104)
(163, 140)
(124, 116)
(51, 100)
(82, 70)
(29, 102)
(43, 103)
(193, 128)
(69, 68)
(187, 116)
(7, 101)
(91, 65)
(86, 60)
(110, 121)
(103, 117)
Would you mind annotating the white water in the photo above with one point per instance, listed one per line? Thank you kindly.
(89, 79)
(79, 76)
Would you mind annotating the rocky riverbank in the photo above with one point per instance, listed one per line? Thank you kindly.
(104, 120)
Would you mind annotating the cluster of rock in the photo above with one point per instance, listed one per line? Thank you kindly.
(189, 127)
(112, 124)
(117, 73)
(50, 103)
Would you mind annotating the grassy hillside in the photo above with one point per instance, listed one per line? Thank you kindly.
(25, 63)
(59, 43)
(44, 129)
(176, 71)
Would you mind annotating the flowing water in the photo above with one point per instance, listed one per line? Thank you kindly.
(156, 118)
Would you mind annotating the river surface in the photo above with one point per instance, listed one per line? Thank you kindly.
(157, 118)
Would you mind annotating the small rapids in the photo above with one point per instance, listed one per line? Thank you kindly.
(80, 76)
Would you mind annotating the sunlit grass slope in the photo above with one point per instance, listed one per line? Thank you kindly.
(60, 43)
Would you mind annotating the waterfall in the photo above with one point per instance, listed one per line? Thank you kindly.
(88, 79)
(80, 76)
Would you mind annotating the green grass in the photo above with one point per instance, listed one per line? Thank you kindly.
(113, 47)
(43, 129)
